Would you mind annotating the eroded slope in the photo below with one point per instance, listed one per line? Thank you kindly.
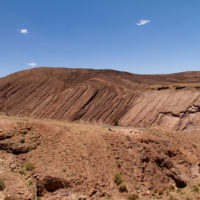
(103, 96)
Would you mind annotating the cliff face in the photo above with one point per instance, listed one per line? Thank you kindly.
(169, 101)
(169, 109)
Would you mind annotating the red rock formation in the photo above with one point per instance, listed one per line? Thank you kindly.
(170, 101)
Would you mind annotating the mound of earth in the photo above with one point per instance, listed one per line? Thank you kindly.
(84, 161)
(104, 96)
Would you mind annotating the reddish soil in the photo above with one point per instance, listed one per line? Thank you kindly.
(80, 161)
(103, 96)
(57, 141)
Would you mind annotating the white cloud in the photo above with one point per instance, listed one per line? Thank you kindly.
(32, 64)
(142, 22)
(23, 31)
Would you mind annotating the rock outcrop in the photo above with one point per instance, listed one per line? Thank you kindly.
(103, 96)
(19, 141)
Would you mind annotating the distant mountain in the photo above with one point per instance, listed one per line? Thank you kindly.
(169, 101)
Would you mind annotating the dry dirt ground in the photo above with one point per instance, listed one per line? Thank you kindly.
(54, 160)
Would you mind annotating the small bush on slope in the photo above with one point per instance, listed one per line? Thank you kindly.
(118, 179)
(2, 184)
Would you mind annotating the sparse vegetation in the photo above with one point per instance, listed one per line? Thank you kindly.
(122, 187)
(7, 198)
(22, 171)
(160, 192)
(109, 197)
(29, 166)
(64, 170)
(37, 198)
(133, 197)
(2, 184)
(195, 189)
(172, 188)
(174, 86)
(118, 179)
(137, 187)
(116, 122)
(126, 180)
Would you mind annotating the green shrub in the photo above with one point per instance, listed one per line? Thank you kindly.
(123, 188)
(116, 122)
(118, 179)
(26, 167)
(196, 188)
(22, 171)
(29, 166)
(133, 196)
(2, 185)
(137, 187)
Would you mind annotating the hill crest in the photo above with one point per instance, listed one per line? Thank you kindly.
(104, 96)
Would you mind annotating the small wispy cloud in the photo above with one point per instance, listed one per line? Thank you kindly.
(24, 31)
(31, 64)
(142, 22)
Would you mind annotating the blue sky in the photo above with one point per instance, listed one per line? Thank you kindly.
(100, 34)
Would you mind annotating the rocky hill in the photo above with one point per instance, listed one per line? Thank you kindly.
(44, 155)
(104, 96)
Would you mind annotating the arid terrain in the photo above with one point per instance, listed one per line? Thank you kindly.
(103, 96)
(60, 160)
(80, 134)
